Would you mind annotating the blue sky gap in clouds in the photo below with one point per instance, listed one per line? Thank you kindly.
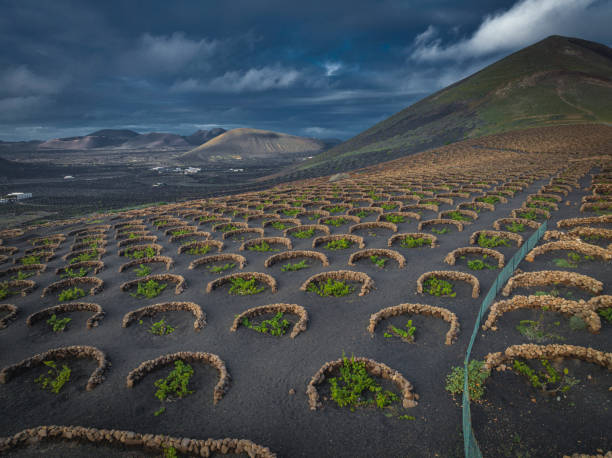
(320, 68)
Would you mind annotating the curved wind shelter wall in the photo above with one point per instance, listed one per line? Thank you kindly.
(293, 309)
(583, 248)
(451, 257)
(92, 321)
(95, 282)
(178, 280)
(296, 254)
(392, 254)
(553, 277)
(499, 360)
(367, 284)
(237, 258)
(187, 356)
(420, 309)
(152, 310)
(261, 277)
(75, 351)
(450, 275)
(116, 437)
(372, 367)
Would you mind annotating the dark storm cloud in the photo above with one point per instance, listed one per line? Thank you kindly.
(319, 68)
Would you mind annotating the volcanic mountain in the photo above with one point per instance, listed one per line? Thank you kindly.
(202, 136)
(556, 81)
(251, 144)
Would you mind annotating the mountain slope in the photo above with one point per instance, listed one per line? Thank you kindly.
(558, 80)
(202, 136)
(156, 140)
(250, 144)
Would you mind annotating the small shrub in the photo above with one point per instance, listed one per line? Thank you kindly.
(289, 267)
(394, 218)
(335, 222)
(407, 335)
(71, 294)
(438, 287)
(531, 215)
(4, 290)
(576, 323)
(543, 205)
(477, 375)
(143, 271)
(606, 314)
(276, 326)
(572, 261)
(363, 214)
(219, 269)
(354, 386)
(227, 228)
(147, 252)
(86, 256)
(242, 287)
(55, 378)
(29, 260)
(291, 212)
(444, 230)
(303, 234)
(199, 250)
(176, 384)
(515, 227)
(180, 232)
(339, 244)
(69, 273)
(492, 242)
(535, 329)
(414, 242)
(161, 328)
(388, 206)
(330, 288)
(337, 209)
(150, 289)
(480, 264)
(279, 226)
(380, 262)
(488, 199)
(58, 324)
(458, 216)
(373, 195)
(21, 275)
(549, 380)
(262, 247)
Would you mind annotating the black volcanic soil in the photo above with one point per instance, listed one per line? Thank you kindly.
(258, 405)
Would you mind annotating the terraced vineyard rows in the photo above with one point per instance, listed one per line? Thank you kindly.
(237, 316)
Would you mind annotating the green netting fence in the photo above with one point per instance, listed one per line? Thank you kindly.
(469, 441)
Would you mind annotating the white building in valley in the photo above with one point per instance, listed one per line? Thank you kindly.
(15, 196)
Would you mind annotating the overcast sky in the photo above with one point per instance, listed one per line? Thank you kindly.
(317, 68)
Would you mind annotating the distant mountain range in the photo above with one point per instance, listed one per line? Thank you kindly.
(128, 139)
(556, 81)
(215, 145)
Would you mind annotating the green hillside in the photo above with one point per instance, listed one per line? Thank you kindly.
(555, 81)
